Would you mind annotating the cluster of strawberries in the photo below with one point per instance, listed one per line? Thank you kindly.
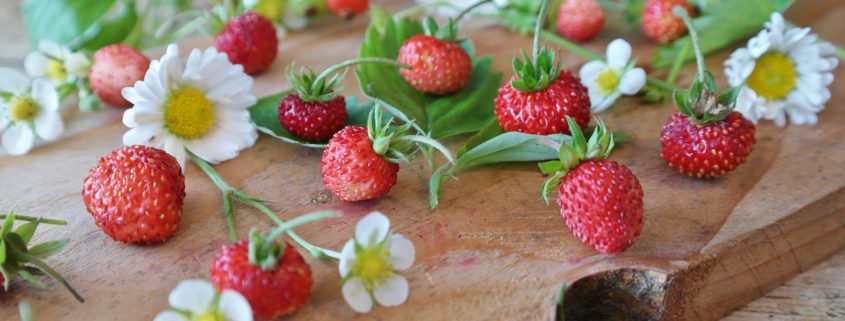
(582, 20)
(135, 193)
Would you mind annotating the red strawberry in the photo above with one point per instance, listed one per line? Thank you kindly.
(348, 8)
(600, 200)
(313, 120)
(658, 22)
(543, 112)
(580, 20)
(438, 66)
(273, 292)
(352, 170)
(116, 67)
(135, 194)
(249, 40)
(708, 150)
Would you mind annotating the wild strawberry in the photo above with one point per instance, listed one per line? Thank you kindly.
(540, 96)
(116, 67)
(600, 200)
(267, 271)
(315, 110)
(249, 40)
(705, 138)
(360, 163)
(658, 22)
(348, 8)
(438, 66)
(135, 194)
(25, 261)
(580, 20)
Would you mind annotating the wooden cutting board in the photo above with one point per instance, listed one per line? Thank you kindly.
(492, 250)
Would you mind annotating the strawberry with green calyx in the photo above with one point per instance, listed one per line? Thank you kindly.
(439, 65)
(600, 200)
(658, 22)
(316, 109)
(705, 137)
(361, 164)
(540, 96)
(266, 270)
(18, 258)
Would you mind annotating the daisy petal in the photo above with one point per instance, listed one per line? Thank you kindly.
(18, 139)
(401, 251)
(356, 295)
(170, 316)
(175, 148)
(234, 306)
(347, 258)
(632, 81)
(618, 53)
(372, 229)
(48, 125)
(192, 295)
(393, 292)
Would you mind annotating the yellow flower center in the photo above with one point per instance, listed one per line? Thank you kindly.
(774, 76)
(372, 266)
(188, 114)
(608, 80)
(55, 70)
(209, 316)
(23, 109)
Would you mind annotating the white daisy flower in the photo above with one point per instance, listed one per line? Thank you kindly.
(607, 80)
(194, 300)
(785, 72)
(57, 63)
(198, 104)
(27, 108)
(368, 265)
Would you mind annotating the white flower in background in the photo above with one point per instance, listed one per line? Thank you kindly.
(450, 8)
(607, 80)
(56, 63)
(197, 104)
(196, 300)
(368, 265)
(27, 108)
(784, 72)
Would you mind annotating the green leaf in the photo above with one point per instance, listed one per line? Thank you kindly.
(2, 251)
(728, 98)
(511, 147)
(109, 30)
(466, 111)
(434, 183)
(265, 115)
(8, 223)
(487, 133)
(550, 184)
(25, 311)
(48, 248)
(25, 231)
(550, 166)
(721, 23)
(61, 20)
(15, 243)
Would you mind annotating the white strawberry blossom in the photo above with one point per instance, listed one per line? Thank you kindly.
(608, 80)
(27, 108)
(57, 63)
(194, 300)
(369, 262)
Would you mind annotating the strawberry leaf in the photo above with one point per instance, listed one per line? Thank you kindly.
(25, 231)
(61, 20)
(466, 111)
(48, 248)
(265, 115)
(721, 23)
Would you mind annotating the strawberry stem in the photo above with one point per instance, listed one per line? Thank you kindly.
(23, 256)
(39, 219)
(699, 57)
(538, 27)
(356, 61)
(230, 194)
(470, 8)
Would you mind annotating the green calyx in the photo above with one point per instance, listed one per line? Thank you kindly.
(265, 251)
(537, 73)
(577, 150)
(17, 258)
(324, 87)
(395, 143)
(449, 32)
(701, 103)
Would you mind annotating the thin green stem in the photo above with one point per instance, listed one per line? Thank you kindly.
(297, 221)
(660, 84)
(541, 19)
(419, 8)
(571, 46)
(33, 219)
(229, 212)
(49, 271)
(316, 251)
(428, 141)
(839, 52)
(470, 8)
(356, 61)
(699, 57)
(679, 61)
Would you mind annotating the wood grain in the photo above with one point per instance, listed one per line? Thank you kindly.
(492, 250)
